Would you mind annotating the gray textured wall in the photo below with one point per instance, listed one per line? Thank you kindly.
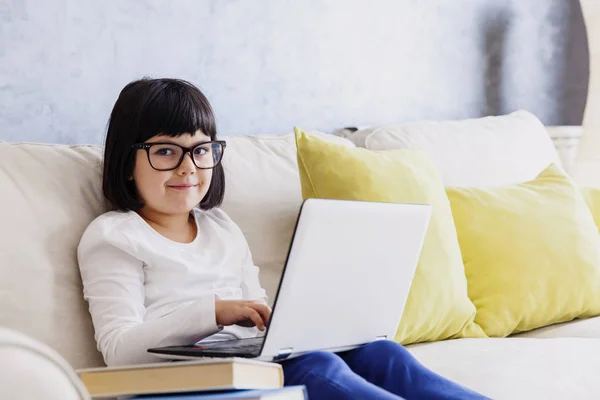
(269, 65)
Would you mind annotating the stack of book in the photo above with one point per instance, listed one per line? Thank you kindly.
(218, 378)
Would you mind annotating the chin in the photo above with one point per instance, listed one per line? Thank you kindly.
(189, 206)
(181, 207)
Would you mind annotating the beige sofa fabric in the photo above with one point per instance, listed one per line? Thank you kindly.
(582, 328)
(519, 369)
(490, 151)
(31, 370)
(49, 195)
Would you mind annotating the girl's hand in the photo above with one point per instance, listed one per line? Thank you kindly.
(242, 312)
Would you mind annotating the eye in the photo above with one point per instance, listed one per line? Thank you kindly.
(163, 151)
(200, 151)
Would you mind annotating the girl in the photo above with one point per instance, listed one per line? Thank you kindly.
(168, 267)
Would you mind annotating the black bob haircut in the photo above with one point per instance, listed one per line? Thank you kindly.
(145, 108)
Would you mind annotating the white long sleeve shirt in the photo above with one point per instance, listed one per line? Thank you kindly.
(146, 291)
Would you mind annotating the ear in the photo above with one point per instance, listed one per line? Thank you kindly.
(130, 178)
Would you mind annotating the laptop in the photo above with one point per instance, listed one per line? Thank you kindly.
(345, 282)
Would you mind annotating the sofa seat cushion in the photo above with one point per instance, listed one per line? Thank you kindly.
(583, 328)
(518, 368)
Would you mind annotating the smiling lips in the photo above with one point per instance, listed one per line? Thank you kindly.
(182, 187)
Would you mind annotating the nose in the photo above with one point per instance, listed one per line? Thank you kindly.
(187, 166)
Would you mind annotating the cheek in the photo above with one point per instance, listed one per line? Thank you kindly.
(206, 178)
(148, 182)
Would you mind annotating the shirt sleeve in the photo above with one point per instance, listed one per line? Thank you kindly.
(113, 285)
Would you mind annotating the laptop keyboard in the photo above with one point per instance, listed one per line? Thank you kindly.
(250, 345)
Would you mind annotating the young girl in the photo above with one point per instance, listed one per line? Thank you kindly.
(169, 268)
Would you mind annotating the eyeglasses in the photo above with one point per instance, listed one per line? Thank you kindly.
(169, 156)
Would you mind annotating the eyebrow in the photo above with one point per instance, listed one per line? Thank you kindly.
(177, 144)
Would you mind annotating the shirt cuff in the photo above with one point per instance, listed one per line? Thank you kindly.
(203, 318)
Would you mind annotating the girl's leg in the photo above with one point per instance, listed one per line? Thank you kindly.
(326, 376)
(391, 367)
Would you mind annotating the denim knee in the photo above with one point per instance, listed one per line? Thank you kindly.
(385, 348)
(324, 359)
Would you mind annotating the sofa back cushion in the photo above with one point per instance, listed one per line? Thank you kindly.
(263, 196)
(490, 151)
(50, 193)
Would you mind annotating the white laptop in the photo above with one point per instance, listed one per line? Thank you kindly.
(345, 283)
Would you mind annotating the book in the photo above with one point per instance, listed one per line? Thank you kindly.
(207, 374)
(286, 393)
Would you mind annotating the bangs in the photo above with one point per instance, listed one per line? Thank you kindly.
(175, 108)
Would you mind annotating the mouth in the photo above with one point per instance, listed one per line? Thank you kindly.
(182, 187)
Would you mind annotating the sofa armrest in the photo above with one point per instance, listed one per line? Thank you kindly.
(32, 370)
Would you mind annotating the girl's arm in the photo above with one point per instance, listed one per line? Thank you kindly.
(113, 282)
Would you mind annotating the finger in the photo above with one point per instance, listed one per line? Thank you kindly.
(263, 310)
(261, 302)
(255, 317)
(248, 323)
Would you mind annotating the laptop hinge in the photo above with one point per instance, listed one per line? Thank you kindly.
(382, 337)
(283, 354)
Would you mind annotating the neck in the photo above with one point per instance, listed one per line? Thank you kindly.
(177, 227)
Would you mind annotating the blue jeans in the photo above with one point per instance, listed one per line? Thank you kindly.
(380, 370)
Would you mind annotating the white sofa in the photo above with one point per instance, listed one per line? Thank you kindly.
(49, 193)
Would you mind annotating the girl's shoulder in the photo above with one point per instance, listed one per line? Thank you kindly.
(113, 220)
(214, 214)
(109, 225)
(216, 217)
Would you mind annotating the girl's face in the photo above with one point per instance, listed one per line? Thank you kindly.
(171, 192)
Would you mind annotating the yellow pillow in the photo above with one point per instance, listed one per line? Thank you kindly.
(531, 253)
(592, 198)
(438, 306)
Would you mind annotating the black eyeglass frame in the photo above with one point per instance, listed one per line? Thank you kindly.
(186, 150)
